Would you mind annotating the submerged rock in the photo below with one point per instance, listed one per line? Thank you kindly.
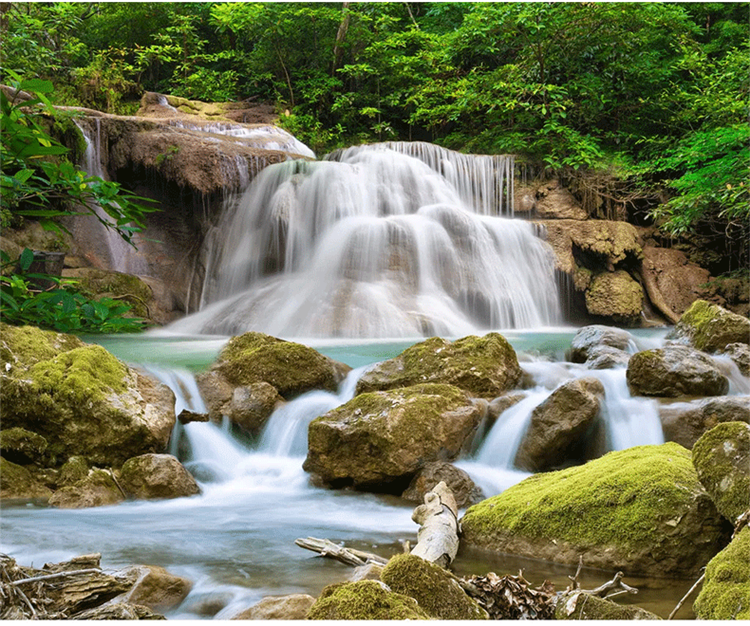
(577, 605)
(711, 328)
(726, 589)
(156, 476)
(435, 589)
(674, 371)
(722, 459)
(641, 510)
(686, 422)
(458, 481)
(484, 366)
(383, 438)
(155, 588)
(292, 607)
(365, 600)
(559, 423)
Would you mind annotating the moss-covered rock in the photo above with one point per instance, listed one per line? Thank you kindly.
(674, 371)
(726, 589)
(82, 400)
(616, 296)
(641, 510)
(364, 600)
(711, 328)
(97, 283)
(75, 469)
(17, 481)
(722, 460)
(21, 446)
(436, 590)
(291, 368)
(98, 488)
(380, 439)
(579, 605)
(22, 346)
(156, 476)
(484, 366)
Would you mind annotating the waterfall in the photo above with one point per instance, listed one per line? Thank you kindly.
(376, 242)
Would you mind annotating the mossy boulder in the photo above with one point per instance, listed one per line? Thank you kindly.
(641, 510)
(726, 589)
(156, 476)
(98, 488)
(722, 460)
(436, 590)
(16, 481)
(291, 368)
(485, 366)
(380, 439)
(615, 296)
(21, 446)
(711, 328)
(674, 371)
(559, 423)
(686, 422)
(82, 399)
(578, 605)
(364, 600)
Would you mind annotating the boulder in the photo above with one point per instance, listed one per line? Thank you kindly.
(155, 588)
(641, 510)
(616, 296)
(484, 366)
(369, 571)
(81, 399)
(606, 358)
(382, 438)
(216, 393)
(740, 354)
(722, 460)
(590, 338)
(21, 446)
(710, 328)
(98, 488)
(251, 406)
(685, 422)
(458, 481)
(156, 476)
(435, 589)
(291, 607)
(674, 371)
(579, 605)
(289, 367)
(726, 588)
(559, 423)
(364, 600)
(499, 405)
(75, 469)
(17, 481)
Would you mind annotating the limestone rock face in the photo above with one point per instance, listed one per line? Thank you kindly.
(291, 607)
(726, 587)
(435, 589)
(384, 437)
(464, 490)
(558, 423)
(590, 338)
(641, 510)
(156, 476)
(484, 366)
(156, 588)
(576, 605)
(556, 202)
(686, 422)
(674, 371)
(711, 328)
(678, 281)
(81, 399)
(615, 295)
(722, 460)
(365, 600)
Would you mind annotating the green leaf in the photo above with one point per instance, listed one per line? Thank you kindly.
(26, 259)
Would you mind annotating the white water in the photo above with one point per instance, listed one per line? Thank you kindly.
(326, 249)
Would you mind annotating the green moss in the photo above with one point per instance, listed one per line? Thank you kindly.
(436, 590)
(96, 283)
(619, 499)
(615, 295)
(18, 482)
(726, 590)
(22, 446)
(75, 469)
(722, 459)
(29, 344)
(711, 328)
(81, 375)
(364, 600)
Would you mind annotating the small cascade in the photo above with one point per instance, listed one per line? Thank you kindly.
(326, 249)
(120, 255)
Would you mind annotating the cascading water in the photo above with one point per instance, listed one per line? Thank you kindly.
(326, 249)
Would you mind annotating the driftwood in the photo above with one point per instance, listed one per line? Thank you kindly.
(349, 556)
(437, 538)
(602, 591)
(686, 596)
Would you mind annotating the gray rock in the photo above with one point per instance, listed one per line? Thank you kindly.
(686, 422)
(594, 337)
(157, 476)
(458, 481)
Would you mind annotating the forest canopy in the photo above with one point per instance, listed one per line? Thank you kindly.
(653, 94)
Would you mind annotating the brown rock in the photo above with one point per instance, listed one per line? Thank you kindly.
(156, 476)
(616, 296)
(555, 202)
(252, 405)
(679, 281)
(156, 588)
(686, 422)
(458, 481)
(291, 607)
(98, 488)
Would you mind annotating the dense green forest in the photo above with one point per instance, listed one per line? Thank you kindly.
(653, 96)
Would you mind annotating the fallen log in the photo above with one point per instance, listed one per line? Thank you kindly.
(437, 538)
(349, 556)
